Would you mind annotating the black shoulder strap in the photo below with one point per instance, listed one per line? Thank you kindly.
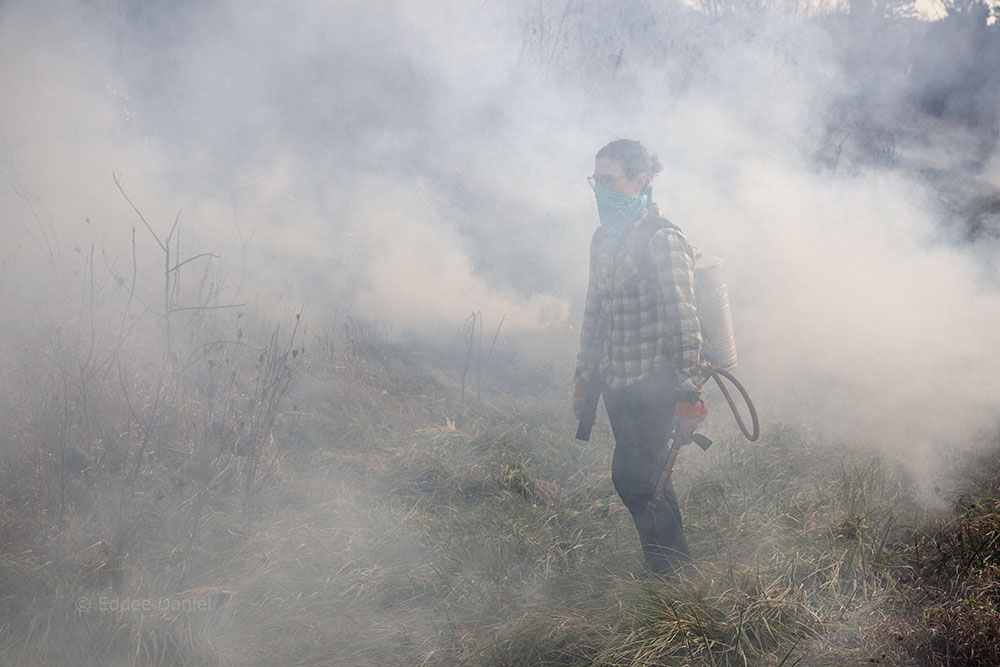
(651, 225)
(644, 234)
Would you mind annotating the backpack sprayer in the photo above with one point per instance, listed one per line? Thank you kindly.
(719, 349)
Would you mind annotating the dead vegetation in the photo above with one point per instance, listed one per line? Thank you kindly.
(251, 498)
(945, 608)
(400, 525)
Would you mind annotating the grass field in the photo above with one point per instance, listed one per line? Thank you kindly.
(368, 514)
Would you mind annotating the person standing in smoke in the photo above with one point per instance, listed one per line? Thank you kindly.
(641, 343)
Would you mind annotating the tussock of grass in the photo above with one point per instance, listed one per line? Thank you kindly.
(945, 608)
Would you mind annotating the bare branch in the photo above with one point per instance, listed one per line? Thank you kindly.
(176, 309)
(45, 226)
(138, 212)
(191, 259)
(173, 228)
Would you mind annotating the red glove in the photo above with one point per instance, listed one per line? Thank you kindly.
(579, 399)
(687, 418)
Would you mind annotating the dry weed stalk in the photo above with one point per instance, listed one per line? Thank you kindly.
(471, 323)
(274, 374)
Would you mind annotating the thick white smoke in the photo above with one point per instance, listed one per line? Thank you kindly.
(417, 162)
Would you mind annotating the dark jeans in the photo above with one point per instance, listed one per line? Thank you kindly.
(641, 418)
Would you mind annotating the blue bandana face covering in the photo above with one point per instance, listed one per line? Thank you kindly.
(616, 212)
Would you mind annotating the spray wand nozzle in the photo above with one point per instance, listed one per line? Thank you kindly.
(677, 440)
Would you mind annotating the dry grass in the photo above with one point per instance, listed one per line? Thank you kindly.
(399, 524)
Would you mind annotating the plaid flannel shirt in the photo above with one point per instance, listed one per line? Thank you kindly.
(636, 324)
